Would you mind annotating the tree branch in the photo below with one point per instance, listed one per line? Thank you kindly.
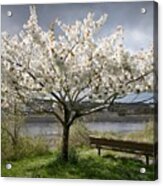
(138, 78)
(98, 108)
(9, 133)
(40, 83)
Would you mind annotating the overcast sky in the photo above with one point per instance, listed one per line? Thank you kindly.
(138, 26)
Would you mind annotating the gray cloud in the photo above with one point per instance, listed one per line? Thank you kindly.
(138, 27)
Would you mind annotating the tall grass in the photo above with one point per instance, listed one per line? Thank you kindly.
(146, 135)
(14, 145)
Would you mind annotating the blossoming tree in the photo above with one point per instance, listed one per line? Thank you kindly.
(72, 68)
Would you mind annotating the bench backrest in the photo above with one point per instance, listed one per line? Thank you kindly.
(145, 148)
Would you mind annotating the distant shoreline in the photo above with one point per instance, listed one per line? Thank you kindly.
(105, 116)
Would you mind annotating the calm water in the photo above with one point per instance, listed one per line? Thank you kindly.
(49, 128)
(115, 127)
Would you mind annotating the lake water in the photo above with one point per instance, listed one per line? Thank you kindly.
(116, 126)
(51, 128)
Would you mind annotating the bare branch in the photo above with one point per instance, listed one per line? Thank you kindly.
(98, 108)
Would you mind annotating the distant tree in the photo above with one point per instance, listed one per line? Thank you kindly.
(12, 107)
(72, 67)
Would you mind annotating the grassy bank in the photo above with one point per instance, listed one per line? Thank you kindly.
(87, 166)
(146, 135)
(37, 162)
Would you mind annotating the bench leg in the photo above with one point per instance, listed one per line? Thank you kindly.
(147, 159)
(99, 151)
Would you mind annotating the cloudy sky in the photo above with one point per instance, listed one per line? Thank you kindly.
(138, 26)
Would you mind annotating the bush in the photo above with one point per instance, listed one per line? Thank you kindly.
(6, 146)
(79, 135)
(25, 147)
(16, 146)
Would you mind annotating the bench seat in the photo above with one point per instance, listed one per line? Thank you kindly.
(146, 149)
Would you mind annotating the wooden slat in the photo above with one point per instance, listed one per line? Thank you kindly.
(145, 148)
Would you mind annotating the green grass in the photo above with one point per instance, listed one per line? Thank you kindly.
(87, 166)
(84, 162)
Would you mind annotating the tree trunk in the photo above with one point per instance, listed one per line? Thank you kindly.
(65, 143)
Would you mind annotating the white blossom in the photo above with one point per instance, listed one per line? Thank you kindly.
(75, 62)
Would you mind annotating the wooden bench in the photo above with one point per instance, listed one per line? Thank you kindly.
(145, 149)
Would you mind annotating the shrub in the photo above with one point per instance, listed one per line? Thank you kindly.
(79, 135)
(26, 147)
(16, 146)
